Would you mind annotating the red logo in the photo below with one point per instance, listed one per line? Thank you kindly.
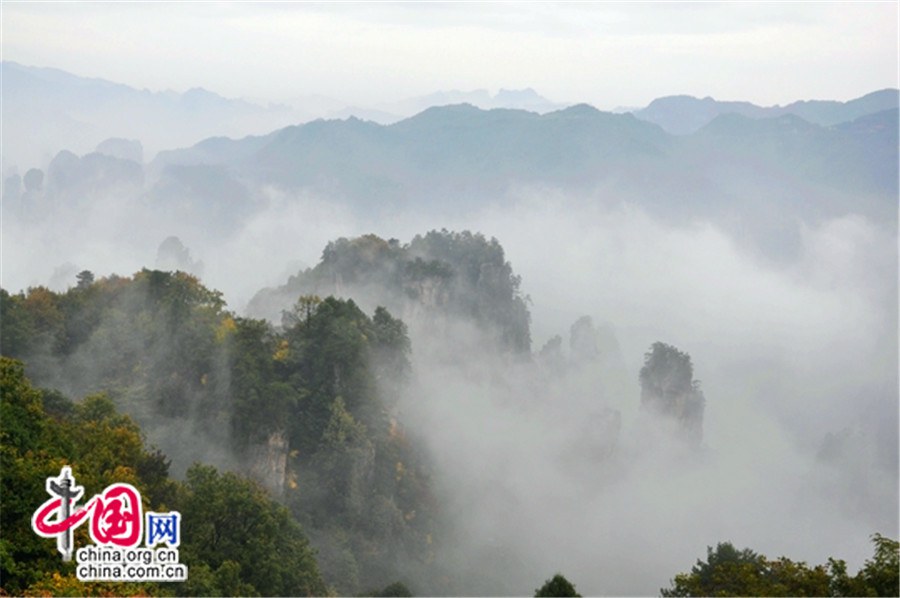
(116, 515)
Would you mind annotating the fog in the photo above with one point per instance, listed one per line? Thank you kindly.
(534, 472)
(786, 354)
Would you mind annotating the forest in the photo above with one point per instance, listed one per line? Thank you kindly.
(292, 450)
(450, 299)
(297, 410)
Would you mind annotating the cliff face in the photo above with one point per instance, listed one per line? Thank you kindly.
(268, 462)
(441, 274)
(684, 407)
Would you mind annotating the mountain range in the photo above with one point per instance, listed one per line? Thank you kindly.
(47, 110)
(461, 157)
(758, 172)
(681, 115)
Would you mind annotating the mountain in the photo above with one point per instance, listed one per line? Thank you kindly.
(827, 113)
(764, 176)
(47, 110)
(308, 413)
(759, 178)
(519, 99)
(381, 117)
(459, 153)
(436, 277)
(681, 115)
(739, 166)
(460, 156)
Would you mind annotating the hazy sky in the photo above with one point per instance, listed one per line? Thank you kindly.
(608, 54)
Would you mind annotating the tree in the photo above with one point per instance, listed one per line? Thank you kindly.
(443, 273)
(308, 410)
(100, 446)
(302, 312)
(731, 572)
(397, 589)
(85, 279)
(249, 542)
(558, 585)
(668, 388)
(235, 539)
(881, 573)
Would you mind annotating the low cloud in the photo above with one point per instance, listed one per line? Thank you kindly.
(531, 467)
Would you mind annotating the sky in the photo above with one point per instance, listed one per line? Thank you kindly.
(606, 54)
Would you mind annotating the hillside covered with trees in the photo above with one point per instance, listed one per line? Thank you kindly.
(437, 276)
(305, 410)
(262, 549)
(319, 430)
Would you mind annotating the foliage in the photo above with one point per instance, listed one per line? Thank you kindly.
(881, 572)
(249, 543)
(731, 572)
(557, 585)
(485, 288)
(307, 410)
(879, 576)
(360, 488)
(668, 388)
(57, 584)
(101, 446)
(235, 539)
(441, 273)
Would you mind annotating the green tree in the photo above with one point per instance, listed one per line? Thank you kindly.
(557, 585)
(235, 539)
(163, 349)
(250, 542)
(731, 572)
(85, 279)
(447, 273)
(668, 388)
(881, 573)
(27, 450)
(101, 447)
(18, 328)
(262, 401)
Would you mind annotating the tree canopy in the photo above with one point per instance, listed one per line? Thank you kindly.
(557, 585)
(458, 274)
(728, 571)
(235, 539)
(668, 388)
(306, 410)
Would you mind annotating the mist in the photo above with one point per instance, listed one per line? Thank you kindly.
(540, 467)
(787, 354)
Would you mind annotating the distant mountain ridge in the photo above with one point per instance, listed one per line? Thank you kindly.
(48, 110)
(55, 110)
(682, 114)
(740, 166)
(737, 171)
(466, 154)
(458, 154)
(517, 99)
